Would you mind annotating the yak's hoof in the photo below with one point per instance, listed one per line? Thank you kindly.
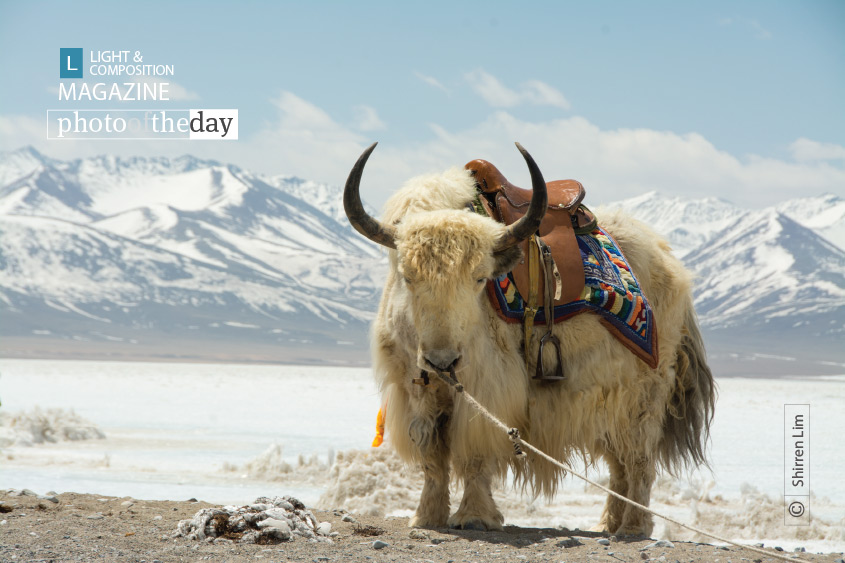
(477, 525)
(420, 522)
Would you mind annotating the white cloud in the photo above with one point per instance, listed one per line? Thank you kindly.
(541, 94)
(367, 119)
(178, 92)
(17, 131)
(531, 92)
(494, 92)
(760, 32)
(752, 25)
(431, 81)
(805, 150)
(304, 140)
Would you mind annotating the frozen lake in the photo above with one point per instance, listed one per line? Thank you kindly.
(176, 431)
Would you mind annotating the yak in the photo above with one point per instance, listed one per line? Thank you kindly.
(435, 316)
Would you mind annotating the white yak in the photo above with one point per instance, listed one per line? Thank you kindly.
(435, 316)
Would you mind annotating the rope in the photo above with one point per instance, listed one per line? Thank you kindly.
(519, 443)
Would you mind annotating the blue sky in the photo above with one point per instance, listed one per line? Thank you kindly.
(742, 100)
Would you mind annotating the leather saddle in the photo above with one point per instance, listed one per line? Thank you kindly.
(564, 217)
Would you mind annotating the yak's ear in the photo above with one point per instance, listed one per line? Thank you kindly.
(506, 260)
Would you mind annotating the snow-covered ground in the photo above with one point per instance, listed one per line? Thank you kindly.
(230, 433)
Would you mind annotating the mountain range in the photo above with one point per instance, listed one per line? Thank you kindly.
(157, 258)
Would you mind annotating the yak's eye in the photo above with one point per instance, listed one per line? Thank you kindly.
(407, 281)
(481, 280)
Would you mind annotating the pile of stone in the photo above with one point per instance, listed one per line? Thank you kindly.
(266, 521)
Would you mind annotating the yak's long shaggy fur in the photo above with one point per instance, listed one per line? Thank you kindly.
(610, 406)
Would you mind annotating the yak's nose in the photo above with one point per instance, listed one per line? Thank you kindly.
(442, 360)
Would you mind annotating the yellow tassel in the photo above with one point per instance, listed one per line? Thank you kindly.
(379, 439)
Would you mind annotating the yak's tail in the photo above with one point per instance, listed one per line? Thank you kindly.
(686, 429)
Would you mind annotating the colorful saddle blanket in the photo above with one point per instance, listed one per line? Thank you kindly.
(611, 290)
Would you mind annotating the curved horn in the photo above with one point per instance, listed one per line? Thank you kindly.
(358, 217)
(530, 222)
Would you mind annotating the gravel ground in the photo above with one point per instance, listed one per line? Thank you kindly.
(83, 527)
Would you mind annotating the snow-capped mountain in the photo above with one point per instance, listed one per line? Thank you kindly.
(769, 270)
(687, 224)
(823, 214)
(768, 282)
(187, 258)
(208, 247)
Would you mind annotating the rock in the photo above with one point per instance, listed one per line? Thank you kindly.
(758, 544)
(378, 544)
(278, 513)
(570, 542)
(274, 535)
(252, 518)
(51, 498)
(277, 524)
(778, 548)
(348, 518)
(800, 550)
(659, 543)
(97, 516)
(417, 534)
(266, 521)
(127, 503)
(603, 541)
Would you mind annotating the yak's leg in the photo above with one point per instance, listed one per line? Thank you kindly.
(478, 509)
(614, 508)
(433, 509)
(640, 473)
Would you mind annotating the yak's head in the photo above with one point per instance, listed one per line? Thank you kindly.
(443, 261)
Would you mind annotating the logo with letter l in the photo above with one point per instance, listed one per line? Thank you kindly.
(70, 62)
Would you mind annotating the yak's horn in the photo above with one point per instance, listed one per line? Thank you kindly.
(358, 217)
(530, 222)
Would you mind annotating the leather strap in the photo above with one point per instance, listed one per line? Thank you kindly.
(534, 281)
(551, 286)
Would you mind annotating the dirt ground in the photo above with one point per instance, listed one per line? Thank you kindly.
(83, 527)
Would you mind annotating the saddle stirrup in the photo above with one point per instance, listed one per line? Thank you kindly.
(551, 278)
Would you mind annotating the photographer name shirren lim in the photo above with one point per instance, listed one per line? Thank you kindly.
(799, 450)
(796, 464)
(190, 124)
